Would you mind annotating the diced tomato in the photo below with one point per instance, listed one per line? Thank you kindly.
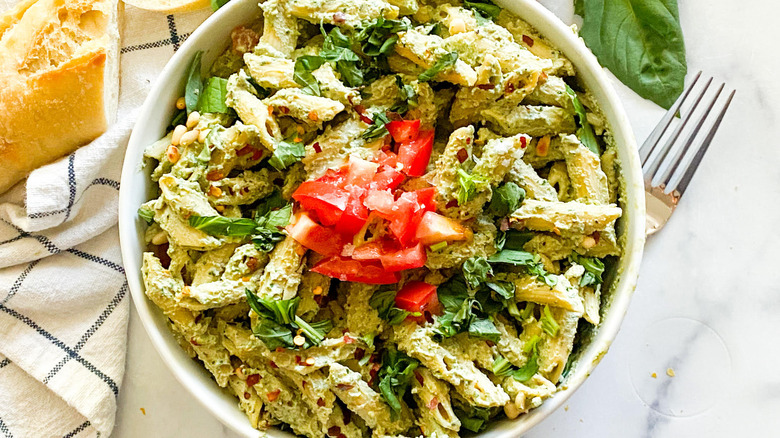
(335, 177)
(387, 178)
(418, 297)
(427, 198)
(435, 228)
(314, 236)
(403, 130)
(325, 199)
(380, 201)
(373, 250)
(387, 158)
(408, 212)
(355, 214)
(360, 172)
(407, 258)
(416, 153)
(362, 271)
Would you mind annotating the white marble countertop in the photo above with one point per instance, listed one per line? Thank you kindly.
(708, 291)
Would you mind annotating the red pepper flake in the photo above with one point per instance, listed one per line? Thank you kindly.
(452, 204)
(247, 395)
(528, 41)
(433, 403)
(341, 435)
(298, 360)
(510, 88)
(490, 343)
(468, 141)
(284, 109)
(303, 384)
(339, 18)
(252, 263)
(523, 142)
(419, 378)
(334, 431)
(257, 155)
(252, 379)
(273, 395)
(361, 110)
(194, 342)
(463, 154)
(486, 86)
(317, 147)
(359, 353)
(320, 402)
(273, 364)
(348, 339)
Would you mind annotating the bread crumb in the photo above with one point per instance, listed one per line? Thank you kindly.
(670, 372)
(143, 411)
(653, 375)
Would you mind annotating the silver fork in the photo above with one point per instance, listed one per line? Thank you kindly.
(663, 166)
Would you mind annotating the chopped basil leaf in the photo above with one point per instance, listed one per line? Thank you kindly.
(475, 420)
(444, 62)
(337, 49)
(270, 202)
(277, 323)
(179, 118)
(302, 75)
(383, 300)
(532, 366)
(584, 131)
(504, 289)
(594, 268)
(506, 199)
(223, 226)
(287, 153)
(146, 214)
(549, 325)
(531, 262)
(484, 328)
(468, 185)
(513, 239)
(476, 271)
(377, 129)
(378, 37)
(212, 100)
(407, 97)
(194, 83)
(485, 7)
(395, 376)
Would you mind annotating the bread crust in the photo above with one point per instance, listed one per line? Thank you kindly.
(48, 112)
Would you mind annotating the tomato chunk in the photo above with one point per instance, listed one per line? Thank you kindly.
(362, 271)
(360, 172)
(387, 158)
(380, 201)
(387, 178)
(403, 130)
(314, 236)
(325, 199)
(418, 297)
(355, 215)
(407, 213)
(373, 250)
(407, 258)
(416, 153)
(435, 228)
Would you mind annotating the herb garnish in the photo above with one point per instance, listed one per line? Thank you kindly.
(212, 99)
(194, 83)
(394, 376)
(468, 185)
(287, 153)
(594, 268)
(444, 62)
(378, 128)
(584, 130)
(531, 262)
(502, 367)
(383, 300)
(265, 230)
(506, 199)
(146, 214)
(278, 323)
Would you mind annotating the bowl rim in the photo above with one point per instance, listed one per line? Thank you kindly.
(588, 70)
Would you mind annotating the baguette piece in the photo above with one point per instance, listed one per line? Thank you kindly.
(59, 69)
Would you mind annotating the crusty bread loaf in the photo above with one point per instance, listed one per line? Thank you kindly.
(59, 76)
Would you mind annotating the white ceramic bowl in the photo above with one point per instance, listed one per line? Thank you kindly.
(212, 37)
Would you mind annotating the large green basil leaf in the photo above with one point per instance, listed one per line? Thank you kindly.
(640, 41)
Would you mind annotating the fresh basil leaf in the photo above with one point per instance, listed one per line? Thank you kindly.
(377, 129)
(532, 366)
(179, 118)
(216, 4)
(223, 226)
(483, 328)
(594, 268)
(531, 262)
(476, 271)
(513, 239)
(204, 156)
(265, 240)
(468, 185)
(383, 300)
(476, 420)
(641, 42)
(452, 293)
(287, 153)
(501, 366)
(302, 75)
(273, 334)
(485, 7)
(549, 325)
(378, 37)
(504, 289)
(444, 62)
(194, 84)
(395, 376)
(212, 100)
(406, 95)
(584, 130)
(146, 214)
(506, 199)
(269, 203)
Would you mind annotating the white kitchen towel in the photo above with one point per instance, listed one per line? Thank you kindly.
(63, 293)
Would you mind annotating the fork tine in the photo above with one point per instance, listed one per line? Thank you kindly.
(677, 158)
(694, 164)
(653, 166)
(660, 129)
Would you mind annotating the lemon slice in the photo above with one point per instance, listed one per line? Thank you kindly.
(169, 5)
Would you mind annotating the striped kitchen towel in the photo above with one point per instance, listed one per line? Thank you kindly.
(63, 294)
